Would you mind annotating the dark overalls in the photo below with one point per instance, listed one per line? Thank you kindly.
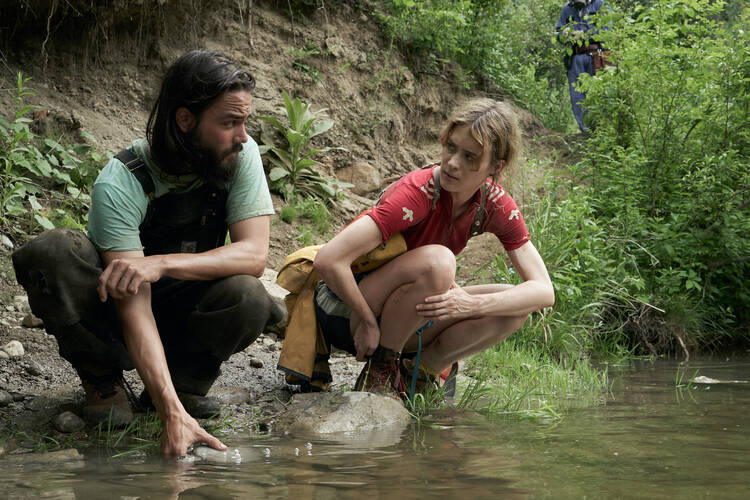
(201, 323)
(579, 62)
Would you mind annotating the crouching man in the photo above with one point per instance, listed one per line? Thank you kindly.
(154, 286)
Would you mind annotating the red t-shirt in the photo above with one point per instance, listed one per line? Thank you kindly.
(406, 207)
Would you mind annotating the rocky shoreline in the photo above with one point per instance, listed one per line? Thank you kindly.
(40, 394)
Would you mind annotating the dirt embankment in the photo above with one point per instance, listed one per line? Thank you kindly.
(95, 68)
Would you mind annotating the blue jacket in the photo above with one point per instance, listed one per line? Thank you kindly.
(570, 16)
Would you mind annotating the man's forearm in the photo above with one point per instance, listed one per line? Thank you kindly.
(145, 348)
(242, 257)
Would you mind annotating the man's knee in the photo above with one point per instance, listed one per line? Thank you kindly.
(59, 271)
(234, 291)
(240, 307)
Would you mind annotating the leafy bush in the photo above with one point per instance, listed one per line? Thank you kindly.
(668, 159)
(293, 163)
(42, 183)
(512, 43)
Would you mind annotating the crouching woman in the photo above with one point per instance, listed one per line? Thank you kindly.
(375, 315)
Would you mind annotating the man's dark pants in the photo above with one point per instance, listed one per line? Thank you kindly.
(201, 323)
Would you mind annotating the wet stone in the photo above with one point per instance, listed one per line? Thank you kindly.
(39, 403)
(14, 349)
(5, 398)
(68, 422)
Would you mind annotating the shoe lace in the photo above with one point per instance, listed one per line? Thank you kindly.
(388, 374)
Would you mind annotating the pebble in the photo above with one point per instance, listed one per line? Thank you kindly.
(267, 341)
(22, 303)
(5, 398)
(6, 242)
(256, 363)
(31, 321)
(68, 422)
(4, 355)
(14, 349)
(33, 368)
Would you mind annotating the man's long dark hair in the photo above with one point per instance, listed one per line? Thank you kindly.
(193, 82)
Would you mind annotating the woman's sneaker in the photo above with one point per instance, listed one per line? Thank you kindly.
(381, 375)
(426, 383)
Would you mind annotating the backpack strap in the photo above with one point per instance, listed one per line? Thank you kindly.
(136, 166)
(476, 224)
(436, 180)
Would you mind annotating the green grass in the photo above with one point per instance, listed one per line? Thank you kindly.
(515, 378)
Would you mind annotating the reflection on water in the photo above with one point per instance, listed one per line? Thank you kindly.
(651, 440)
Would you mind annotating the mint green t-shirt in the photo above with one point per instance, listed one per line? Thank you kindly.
(119, 205)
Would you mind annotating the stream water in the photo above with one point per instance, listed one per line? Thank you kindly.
(652, 439)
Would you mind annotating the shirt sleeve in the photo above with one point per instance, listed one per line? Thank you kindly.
(248, 192)
(118, 206)
(403, 204)
(504, 219)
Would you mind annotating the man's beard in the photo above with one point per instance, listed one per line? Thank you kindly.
(215, 168)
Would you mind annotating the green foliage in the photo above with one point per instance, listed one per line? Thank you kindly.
(510, 42)
(312, 210)
(298, 62)
(516, 378)
(42, 183)
(292, 171)
(594, 276)
(668, 160)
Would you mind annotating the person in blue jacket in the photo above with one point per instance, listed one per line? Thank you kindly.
(577, 27)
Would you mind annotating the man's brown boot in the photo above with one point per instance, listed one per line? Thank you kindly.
(106, 402)
(196, 405)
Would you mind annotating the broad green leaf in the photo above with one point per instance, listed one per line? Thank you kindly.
(34, 203)
(277, 173)
(44, 221)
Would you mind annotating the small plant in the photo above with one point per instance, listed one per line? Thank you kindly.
(292, 171)
(298, 63)
(289, 213)
(42, 183)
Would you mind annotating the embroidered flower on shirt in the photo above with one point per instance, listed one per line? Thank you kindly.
(408, 214)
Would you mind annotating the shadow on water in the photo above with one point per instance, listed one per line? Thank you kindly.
(658, 436)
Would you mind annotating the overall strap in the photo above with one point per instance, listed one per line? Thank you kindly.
(136, 166)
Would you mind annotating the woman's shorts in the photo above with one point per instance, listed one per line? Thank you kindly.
(333, 317)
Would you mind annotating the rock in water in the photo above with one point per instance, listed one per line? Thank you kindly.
(208, 454)
(353, 413)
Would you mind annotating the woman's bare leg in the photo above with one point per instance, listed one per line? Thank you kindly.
(394, 290)
(450, 341)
